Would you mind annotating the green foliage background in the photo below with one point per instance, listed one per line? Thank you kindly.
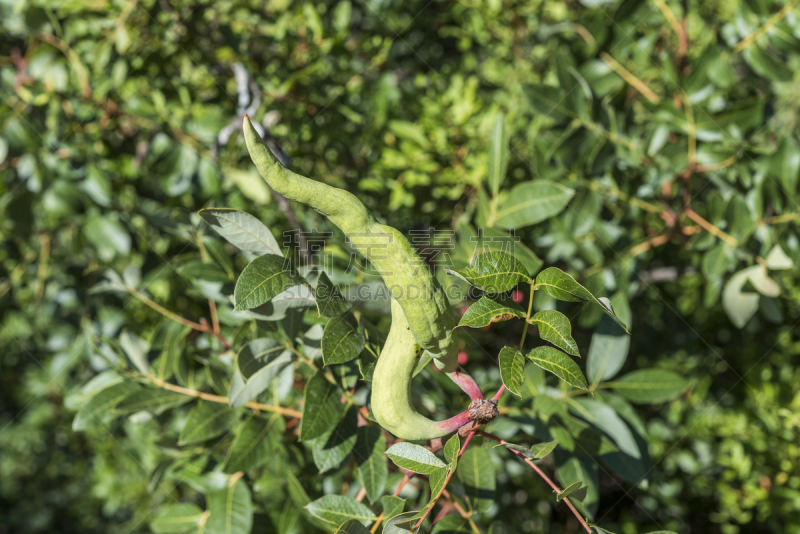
(684, 167)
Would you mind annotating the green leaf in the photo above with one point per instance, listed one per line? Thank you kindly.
(151, 399)
(476, 471)
(498, 155)
(352, 527)
(493, 272)
(330, 303)
(718, 260)
(135, 349)
(207, 420)
(332, 447)
(532, 202)
(210, 272)
(571, 468)
(259, 363)
(647, 386)
(414, 458)
(392, 506)
(249, 448)
(784, 165)
(176, 518)
(536, 452)
(369, 454)
(322, 408)
(490, 310)
(262, 279)
(555, 328)
(437, 480)
(401, 523)
(512, 369)
(576, 490)
(561, 286)
(453, 524)
(335, 510)
(241, 230)
(610, 344)
(494, 239)
(548, 101)
(606, 419)
(777, 260)
(451, 450)
(740, 305)
(341, 340)
(559, 364)
(231, 509)
(99, 408)
(169, 340)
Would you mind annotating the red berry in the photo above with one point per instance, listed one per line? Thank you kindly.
(517, 296)
(463, 358)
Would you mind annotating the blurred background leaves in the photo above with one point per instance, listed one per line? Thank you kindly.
(669, 130)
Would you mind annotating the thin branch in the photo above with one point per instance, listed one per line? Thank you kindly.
(670, 16)
(647, 245)
(710, 228)
(716, 166)
(44, 256)
(632, 80)
(541, 473)
(219, 399)
(200, 327)
(773, 20)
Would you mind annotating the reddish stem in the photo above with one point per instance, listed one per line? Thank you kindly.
(544, 477)
(454, 423)
(466, 383)
(499, 393)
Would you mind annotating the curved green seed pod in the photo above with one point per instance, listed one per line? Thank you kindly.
(391, 387)
(419, 294)
(421, 314)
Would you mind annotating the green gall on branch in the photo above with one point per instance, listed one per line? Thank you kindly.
(422, 321)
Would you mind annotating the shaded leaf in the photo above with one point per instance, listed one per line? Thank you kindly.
(414, 458)
(341, 340)
(322, 408)
(476, 471)
(332, 447)
(392, 506)
(264, 278)
(532, 202)
(207, 420)
(152, 400)
(512, 369)
(99, 407)
(176, 518)
(490, 310)
(259, 363)
(498, 155)
(335, 510)
(401, 523)
(451, 450)
(210, 272)
(609, 347)
(330, 302)
(576, 490)
(536, 452)
(369, 454)
(646, 386)
(242, 230)
(352, 526)
(231, 509)
(250, 448)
